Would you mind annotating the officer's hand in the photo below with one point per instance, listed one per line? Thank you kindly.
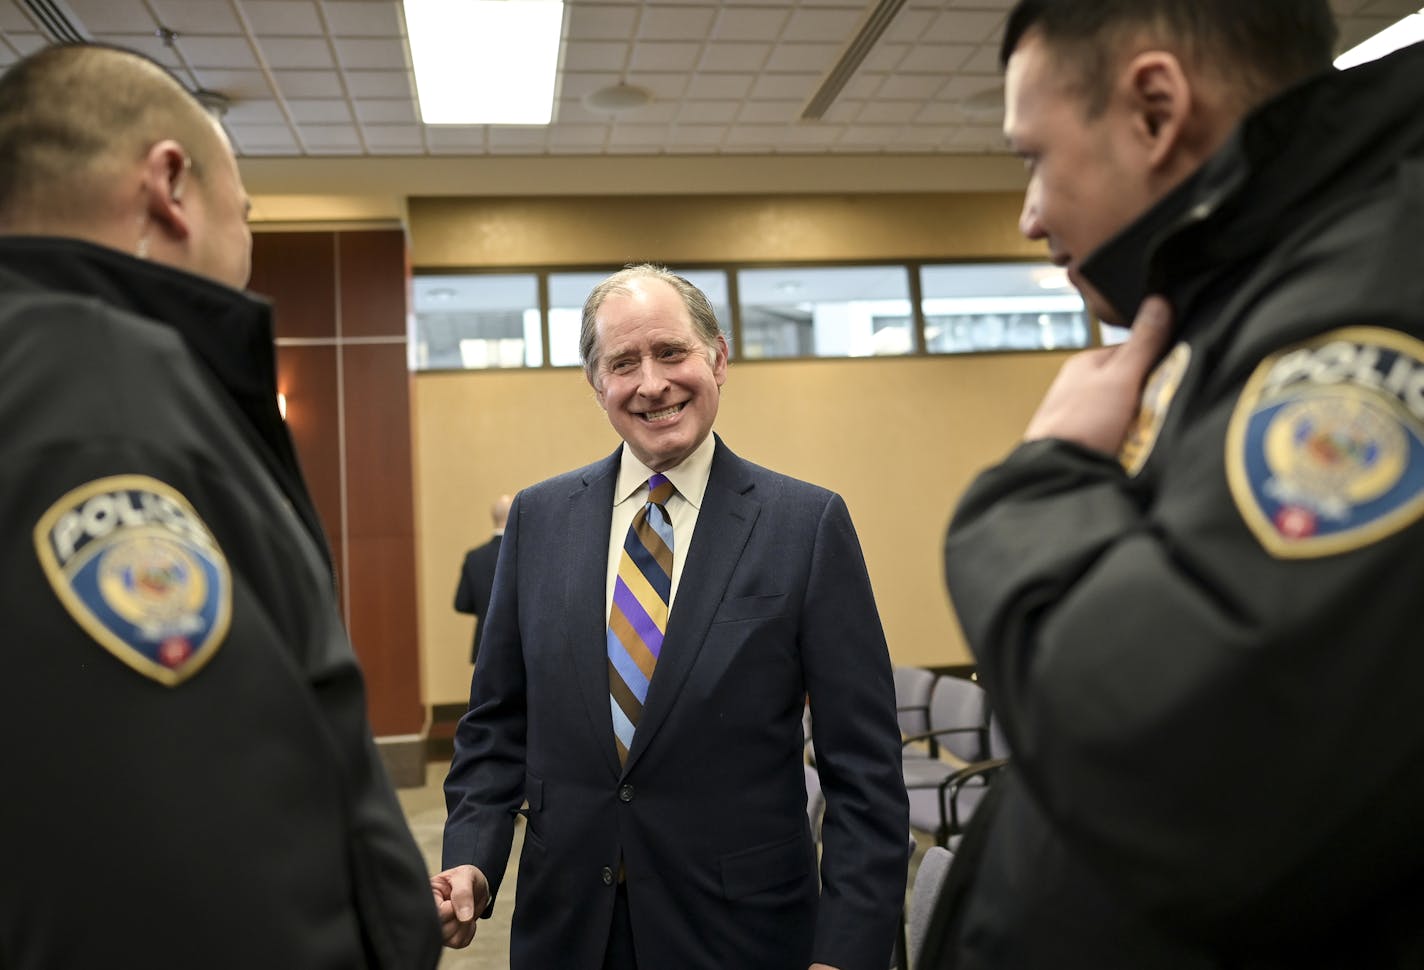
(461, 895)
(1096, 395)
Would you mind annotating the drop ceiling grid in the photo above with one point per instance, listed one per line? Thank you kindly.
(332, 77)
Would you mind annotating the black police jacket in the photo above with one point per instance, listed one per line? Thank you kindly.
(1206, 654)
(190, 778)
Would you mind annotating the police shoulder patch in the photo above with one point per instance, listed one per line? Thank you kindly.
(135, 566)
(1325, 450)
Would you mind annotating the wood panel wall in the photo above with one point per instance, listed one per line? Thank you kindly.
(341, 299)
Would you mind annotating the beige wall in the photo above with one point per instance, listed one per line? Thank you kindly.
(898, 438)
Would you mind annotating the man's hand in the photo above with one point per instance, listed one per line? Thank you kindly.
(461, 895)
(1094, 399)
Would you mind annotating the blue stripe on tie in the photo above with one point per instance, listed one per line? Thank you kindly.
(627, 669)
(622, 727)
(658, 519)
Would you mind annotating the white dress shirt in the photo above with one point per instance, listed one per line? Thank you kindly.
(630, 494)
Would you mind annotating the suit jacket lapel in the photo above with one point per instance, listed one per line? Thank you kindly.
(585, 624)
(723, 524)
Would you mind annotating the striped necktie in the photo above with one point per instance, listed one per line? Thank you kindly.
(638, 617)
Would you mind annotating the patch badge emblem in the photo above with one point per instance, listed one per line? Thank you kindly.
(136, 568)
(1325, 451)
(1157, 396)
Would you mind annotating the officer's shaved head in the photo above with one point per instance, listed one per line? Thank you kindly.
(73, 117)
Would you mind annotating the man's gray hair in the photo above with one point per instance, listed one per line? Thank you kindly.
(704, 318)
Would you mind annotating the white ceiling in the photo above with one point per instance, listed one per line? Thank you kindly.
(323, 78)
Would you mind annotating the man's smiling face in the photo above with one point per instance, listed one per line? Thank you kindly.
(659, 382)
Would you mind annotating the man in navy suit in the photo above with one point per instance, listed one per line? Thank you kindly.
(477, 574)
(685, 845)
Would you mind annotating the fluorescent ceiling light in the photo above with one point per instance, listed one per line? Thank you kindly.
(485, 62)
(1408, 31)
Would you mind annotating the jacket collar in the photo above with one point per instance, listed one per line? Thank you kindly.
(1324, 139)
(228, 330)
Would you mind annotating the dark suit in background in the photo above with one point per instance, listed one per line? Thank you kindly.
(472, 595)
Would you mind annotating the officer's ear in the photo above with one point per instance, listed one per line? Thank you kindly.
(166, 168)
(1159, 96)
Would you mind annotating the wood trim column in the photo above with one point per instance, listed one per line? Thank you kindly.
(341, 298)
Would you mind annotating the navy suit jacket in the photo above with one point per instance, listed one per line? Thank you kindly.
(472, 595)
(708, 816)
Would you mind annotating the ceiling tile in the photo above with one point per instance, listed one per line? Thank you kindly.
(12, 19)
(939, 113)
(918, 87)
(601, 21)
(192, 17)
(676, 23)
(319, 111)
(108, 17)
(887, 112)
(576, 84)
(394, 140)
(309, 84)
(250, 137)
(735, 23)
(819, 24)
(663, 85)
(386, 111)
(595, 56)
(379, 84)
(963, 86)
(287, 17)
(719, 86)
(329, 137)
(731, 57)
(297, 52)
(217, 51)
(884, 57)
(387, 53)
(984, 60)
(663, 55)
(237, 85)
(965, 27)
(362, 19)
(787, 58)
(784, 86)
(694, 112)
(935, 58)
(767, 111)
(908, 26)
(861, 86)
(26, 44)
(842, 112)
(254, 113)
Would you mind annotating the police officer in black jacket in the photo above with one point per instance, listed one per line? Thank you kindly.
(190, 779)
(1194, 589)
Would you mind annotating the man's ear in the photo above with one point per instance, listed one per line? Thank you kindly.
(165, 176)
(1160, 97)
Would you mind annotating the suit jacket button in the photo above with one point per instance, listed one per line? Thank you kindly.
(607, 876)
(625, 794)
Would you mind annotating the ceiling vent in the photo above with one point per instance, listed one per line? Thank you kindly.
(56, 20)
(858, 48)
